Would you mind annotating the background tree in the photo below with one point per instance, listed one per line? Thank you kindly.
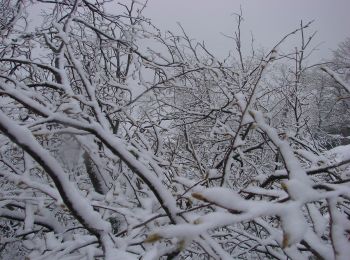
(338, 70)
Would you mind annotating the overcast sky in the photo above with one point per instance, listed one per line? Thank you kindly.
(267, 20)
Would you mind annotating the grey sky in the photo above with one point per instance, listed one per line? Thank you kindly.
(267, 20)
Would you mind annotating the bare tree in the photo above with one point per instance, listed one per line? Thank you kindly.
(113, 150)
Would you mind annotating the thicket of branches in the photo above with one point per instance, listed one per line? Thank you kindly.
(120, 142)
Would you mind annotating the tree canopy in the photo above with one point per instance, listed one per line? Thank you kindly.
(119, 141)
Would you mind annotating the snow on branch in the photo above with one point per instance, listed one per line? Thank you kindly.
(337, 78)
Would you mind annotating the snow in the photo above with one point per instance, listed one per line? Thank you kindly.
(44, 220)
(29, 217)
(293, 224)
(35, 185)
(293, 166)
(165, 198)
(158, 157)
(241, 100)
(319, 222)
(313, 158)
(51, 241)
(340, 222)
(265, 192)
(340, 153)
(68, 191)
(337, 78)
(213, 173)
(293, 221)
